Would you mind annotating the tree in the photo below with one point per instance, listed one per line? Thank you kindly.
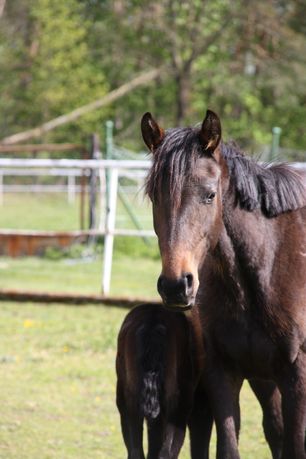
(238, 58)
(51, 64)
(246, 60)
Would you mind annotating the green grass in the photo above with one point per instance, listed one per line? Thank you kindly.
(57, 382)
(33, 211)
(57, 386)
(136, 277)
(39, 212)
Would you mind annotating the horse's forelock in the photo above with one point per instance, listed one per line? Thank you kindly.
(173, 163)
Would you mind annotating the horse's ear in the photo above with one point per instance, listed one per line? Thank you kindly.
(152, 134)
(210, 133)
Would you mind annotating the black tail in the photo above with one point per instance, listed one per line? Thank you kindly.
(152, 346)
(150, 395)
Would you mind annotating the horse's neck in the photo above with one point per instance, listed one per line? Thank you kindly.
(246, 251)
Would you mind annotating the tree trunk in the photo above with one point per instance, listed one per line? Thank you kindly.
(183, 96)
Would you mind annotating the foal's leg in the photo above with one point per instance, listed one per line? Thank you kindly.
(200, 425)
(166, 436)
(131, 426)
(165, 439)
(132, 431)
(269, 397)
(293, 389)
(156, 437)
(223, 390)
(177, 431)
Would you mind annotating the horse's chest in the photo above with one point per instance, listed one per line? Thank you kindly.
(245, 347)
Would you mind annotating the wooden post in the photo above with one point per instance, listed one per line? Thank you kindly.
(109, 230)
(82, 197)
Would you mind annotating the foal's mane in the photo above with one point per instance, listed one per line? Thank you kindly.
(273, 188)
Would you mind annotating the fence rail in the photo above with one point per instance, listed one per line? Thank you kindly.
(76, 163)
(88, 163)
(39, 147)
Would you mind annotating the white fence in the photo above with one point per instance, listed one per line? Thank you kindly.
(75, 168)
(71, 188)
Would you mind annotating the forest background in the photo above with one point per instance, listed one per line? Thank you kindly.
(246, 60)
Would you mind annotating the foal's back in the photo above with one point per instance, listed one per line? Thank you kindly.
(159, 364)
(159, 351)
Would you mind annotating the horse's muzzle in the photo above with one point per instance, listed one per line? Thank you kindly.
(177, 294)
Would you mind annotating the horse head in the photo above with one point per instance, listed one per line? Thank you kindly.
(184, 185)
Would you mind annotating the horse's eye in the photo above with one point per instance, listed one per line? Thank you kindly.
(209, 198)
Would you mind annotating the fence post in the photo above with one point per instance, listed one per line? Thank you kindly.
(109, 230)
(276, 132)
(94, 154)
(108, 153)
(1, 189)
(82, 196)
(71, 188)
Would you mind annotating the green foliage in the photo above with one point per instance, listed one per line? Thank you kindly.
(55, 72)
(238, 58)
(73, 252)
(245, 60)
(53, 253)
(137, 247)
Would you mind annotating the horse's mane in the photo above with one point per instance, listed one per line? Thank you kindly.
(272, 187)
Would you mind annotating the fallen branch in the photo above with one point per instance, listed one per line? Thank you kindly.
(2, 5)
(71, 298)
(140, 80)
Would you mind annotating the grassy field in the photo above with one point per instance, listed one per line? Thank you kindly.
(53, 212)
(39, 212)
(57, 386)
(135, 277)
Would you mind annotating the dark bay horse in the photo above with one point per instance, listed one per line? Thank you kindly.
(232, 238)
(159, 364)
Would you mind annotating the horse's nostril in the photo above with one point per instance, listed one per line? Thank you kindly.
(177, 290)
(189, 280)
(160, 284)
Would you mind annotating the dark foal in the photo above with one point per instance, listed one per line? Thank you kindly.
(159, 364)
(232, 238)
